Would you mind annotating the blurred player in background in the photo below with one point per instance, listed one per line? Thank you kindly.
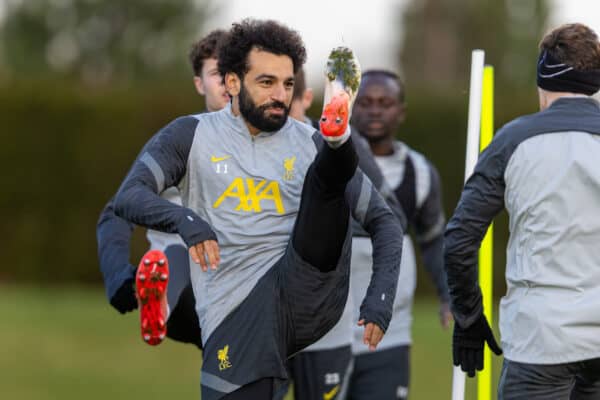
(543, 168)
(207, 79)
(378, 112)
(114, 233)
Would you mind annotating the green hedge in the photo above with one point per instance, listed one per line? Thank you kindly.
(65, 150)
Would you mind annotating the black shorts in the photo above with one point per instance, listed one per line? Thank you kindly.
(382, 375)
(292, 306)
(321, 374)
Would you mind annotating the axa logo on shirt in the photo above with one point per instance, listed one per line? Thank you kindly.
(252, 194)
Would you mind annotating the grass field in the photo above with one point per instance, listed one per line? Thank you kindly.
(68, 343)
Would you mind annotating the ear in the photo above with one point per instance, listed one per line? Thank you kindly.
(307, 98)
(232, 83)
(199, 84)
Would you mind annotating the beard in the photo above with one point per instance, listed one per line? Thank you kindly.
(258, 117)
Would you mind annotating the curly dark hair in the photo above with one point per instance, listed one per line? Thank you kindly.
(205, 48)
(265, 35)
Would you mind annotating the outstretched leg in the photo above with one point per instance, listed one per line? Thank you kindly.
(324, 214)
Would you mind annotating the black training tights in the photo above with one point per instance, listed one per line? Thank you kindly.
(324, 214)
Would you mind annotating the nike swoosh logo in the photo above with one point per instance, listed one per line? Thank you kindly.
(217, 159)
(329, 395)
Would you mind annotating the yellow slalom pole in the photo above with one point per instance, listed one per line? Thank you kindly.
(484, 378)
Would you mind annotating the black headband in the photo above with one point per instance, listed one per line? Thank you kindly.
(554, 76)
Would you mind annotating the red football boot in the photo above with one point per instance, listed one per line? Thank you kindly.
(342, 80)
(151, 288)
(334, 120)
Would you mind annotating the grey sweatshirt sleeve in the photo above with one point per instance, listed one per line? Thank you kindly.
(429, 226)
(371, 211)
(162, 164)
(481, 200)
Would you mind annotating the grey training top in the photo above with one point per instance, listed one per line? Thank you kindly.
(544, 168)
(245, 191)
(416, 183)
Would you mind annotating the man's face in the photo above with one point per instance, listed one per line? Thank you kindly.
(210, 85)
(377, 110)
(265, 92)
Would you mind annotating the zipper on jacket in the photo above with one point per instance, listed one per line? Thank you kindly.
(253, 139)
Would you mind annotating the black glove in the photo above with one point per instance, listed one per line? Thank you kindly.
(124, 299)
(467, 345)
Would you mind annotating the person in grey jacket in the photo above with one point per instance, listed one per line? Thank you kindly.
(266, 205)
(543, 168)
